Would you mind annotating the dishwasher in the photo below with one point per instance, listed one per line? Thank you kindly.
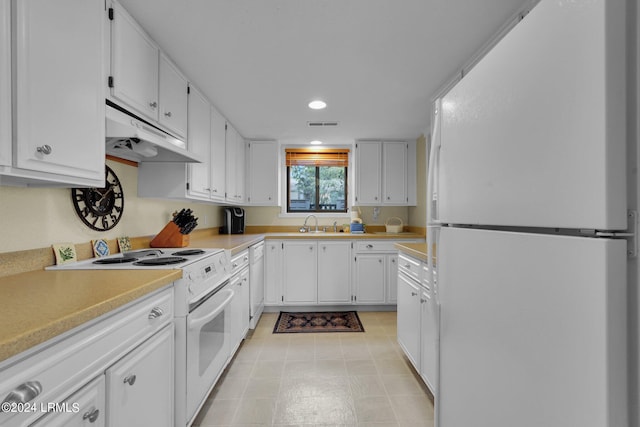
(256, 286)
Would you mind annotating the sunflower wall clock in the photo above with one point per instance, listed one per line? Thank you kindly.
(100, 208)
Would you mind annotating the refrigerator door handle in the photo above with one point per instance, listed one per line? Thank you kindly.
(434, 157)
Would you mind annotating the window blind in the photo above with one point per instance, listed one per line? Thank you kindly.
(317, 157)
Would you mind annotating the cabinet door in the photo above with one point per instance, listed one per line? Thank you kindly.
(370, 279)
(429, 341)
(218, 153)
(84, 408)
(172, 97)
(273, 272)
(230, 143)
(5, 83)
(59, 86)
(394, 172)
(134, 64)
(140, 385)
(199, 143)
(368, 173)
(240, 307)
(241, 161)
(392, 278)
(334, 272)
(409, 319)
(300, 272)
(263, 173)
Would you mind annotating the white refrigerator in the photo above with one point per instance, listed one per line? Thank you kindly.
(527, 208)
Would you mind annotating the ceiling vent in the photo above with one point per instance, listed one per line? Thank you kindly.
(321, 124)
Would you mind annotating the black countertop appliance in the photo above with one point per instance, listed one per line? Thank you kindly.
(233, 221)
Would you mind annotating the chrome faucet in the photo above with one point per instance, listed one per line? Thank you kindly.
(305, 227)
(335, 226)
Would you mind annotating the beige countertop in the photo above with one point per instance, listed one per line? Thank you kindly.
(40, 305)
(416, 250)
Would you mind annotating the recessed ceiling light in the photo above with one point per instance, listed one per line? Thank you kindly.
(317, 105)
(316, 142)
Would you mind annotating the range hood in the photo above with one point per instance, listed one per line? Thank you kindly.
(133, 139)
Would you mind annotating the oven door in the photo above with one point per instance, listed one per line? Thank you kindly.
(208, 346)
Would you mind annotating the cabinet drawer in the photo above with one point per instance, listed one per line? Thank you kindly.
(83, 408)
(239, 261)
(376, 246)
(411, 267)
(66, 364)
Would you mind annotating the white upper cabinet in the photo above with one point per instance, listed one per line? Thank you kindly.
(368, 173)
(235, 156)
(218, 155)
(134, 64)
(385, 173)
(394, 171)
(58, 88)
(263, 173)
(173, 98)
(199, 143)
(5, 83)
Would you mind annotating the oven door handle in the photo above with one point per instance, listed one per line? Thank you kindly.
(199, 321)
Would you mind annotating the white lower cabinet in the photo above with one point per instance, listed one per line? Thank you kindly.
(273, 253)
(409, 294)
(240, 306)
(370, 279)
(300, 272)
(330, 272)
(86, 407)
(140, 385)
(334, 272)
(89, 366)
(418, 318)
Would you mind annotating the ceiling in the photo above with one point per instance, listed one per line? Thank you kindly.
(376, 63)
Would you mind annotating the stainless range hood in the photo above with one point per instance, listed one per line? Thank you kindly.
(131, 138)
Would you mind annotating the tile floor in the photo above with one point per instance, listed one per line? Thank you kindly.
(320, 379)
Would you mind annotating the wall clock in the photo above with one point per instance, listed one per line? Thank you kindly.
(100, 208)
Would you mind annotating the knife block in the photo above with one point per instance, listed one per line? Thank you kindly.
(170, 237)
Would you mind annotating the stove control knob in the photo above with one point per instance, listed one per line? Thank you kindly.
(192, 276)
(191, 289)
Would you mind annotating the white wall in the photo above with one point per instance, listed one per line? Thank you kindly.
(38, 217)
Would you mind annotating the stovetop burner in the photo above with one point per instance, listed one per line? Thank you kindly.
(188, 252)
(118, 260)
(166, 260)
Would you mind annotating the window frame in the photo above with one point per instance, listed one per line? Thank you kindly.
(317, 194)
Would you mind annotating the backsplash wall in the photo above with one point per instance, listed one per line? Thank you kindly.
(33, 218)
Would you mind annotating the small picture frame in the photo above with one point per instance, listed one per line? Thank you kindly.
(65, 253)
(124, 244)
(100, 248)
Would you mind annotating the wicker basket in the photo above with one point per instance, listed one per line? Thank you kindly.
(394, 228)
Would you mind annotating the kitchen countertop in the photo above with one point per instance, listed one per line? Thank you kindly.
(416, 250)
(40, 305)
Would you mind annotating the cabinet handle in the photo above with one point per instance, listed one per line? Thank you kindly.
(91, 416)
(45, 149)
(131, 380)
(167, 114)
(369, 246)
(413, 294)
(388, 198)
(324, 248)
(380, 260)
(407, 266)
(393, 260)
(246, 258)
(234, 265)
(215, 190)
(155, 313)
(422, 300)
(311, 248)
(24, 393)
(375, 198)
(153, 104)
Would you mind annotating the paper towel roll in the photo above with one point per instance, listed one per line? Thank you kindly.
(356, 221)
(354, 214)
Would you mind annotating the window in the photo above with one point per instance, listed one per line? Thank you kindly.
(317, 180)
